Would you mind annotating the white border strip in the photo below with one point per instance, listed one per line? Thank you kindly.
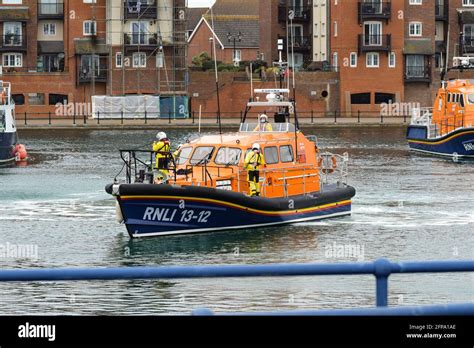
(442, 154)
(202, 230)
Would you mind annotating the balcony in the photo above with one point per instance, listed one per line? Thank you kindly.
(302, 13)
(140, 9)
(302, 43)
(13, 43)
(467, 44)
(375, 43)
(419, 73)
(143, 42)
(50, 10)
(86, 75)
(379, 10)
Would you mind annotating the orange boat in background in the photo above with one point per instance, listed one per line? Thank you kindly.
(447, 129)
(206, 187)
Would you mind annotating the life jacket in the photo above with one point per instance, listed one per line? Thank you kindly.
(253, 161)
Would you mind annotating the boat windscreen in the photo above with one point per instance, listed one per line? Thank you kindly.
(470, 98)
(183, 155)
(228, 156)
(267, 127)
(202, 154)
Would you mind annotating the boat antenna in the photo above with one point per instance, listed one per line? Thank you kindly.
(444, 72)
(215, 68)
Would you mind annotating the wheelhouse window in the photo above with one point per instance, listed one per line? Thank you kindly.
(470, 98)
(184, 155)
(286, 154)
(228, 156)
(271, 155)
(202, 155)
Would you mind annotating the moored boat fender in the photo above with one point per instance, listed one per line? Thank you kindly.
(118, 213)
(20, 153)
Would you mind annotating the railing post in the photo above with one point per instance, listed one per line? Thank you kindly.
(335, 116)
(49, 118)
(381, 117)
(74, 118)
(358, 116)
(98, 117)
(146, 120)
(241, 116)
(26, 123)
(121, 116)
(85, 118)
(312, 116)
(169, 117)
(193, 113)
(383, 269)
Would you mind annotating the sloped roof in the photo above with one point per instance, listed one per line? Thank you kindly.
(248, 26)
(236, 7)
(194, 16)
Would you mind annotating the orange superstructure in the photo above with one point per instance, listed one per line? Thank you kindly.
(218, 161)
(454, 106)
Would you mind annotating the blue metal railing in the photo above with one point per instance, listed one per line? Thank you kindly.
(381, 269)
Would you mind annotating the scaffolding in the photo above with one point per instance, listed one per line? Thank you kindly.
(147, 47)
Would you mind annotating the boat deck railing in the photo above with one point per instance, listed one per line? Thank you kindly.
(381, 269)
(333, 167)
(424, 117)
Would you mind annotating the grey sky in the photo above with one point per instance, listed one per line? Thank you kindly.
(200, 3)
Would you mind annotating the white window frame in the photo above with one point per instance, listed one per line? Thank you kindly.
(392, 60)
(18, 60)
(92, 28)
(119, 58)
(353, 60)
(415, 25)
(369, 62)
(237, 55)
(416, 2)
(468, 3)
(48, 29)
(12, 2)
(335, 60)
(141, 64)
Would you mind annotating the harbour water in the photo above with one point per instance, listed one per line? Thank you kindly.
(408, 207)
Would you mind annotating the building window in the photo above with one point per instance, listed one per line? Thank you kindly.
(140, 32)
(12, 60)
(373, 60)
(415, 2)
(353, 60)
(415, 29)
(360, 98)
(391, 60)
(118, 60)
(373, 34)
(12, 2)
(139, 60)
(19, 99)
(12, 34)
(57, 99)
(438, 61)
(49, 29)
(439, 31)
(50, 63)
(335, 60)
(468, 35)
(36, 98)
(468, 2)
(415, 66)
(335, 29)
(237, 56)
(384, 98)
(90, 28)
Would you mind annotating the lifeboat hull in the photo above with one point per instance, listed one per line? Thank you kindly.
(160, 210)
(7, 148)
(459, 143)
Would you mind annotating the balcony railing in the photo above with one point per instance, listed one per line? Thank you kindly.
(50, 10)
(140, 9)
(441, 11)
(375, 43)
(86, 74)
(418, 73)
(301, 13)
(302, 43)
(13, 42)
(374, 10)
(140, 42)
(467, 45)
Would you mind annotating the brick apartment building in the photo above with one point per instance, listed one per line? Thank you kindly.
(55, 51)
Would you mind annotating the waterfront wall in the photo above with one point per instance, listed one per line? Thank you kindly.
(235, 91)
